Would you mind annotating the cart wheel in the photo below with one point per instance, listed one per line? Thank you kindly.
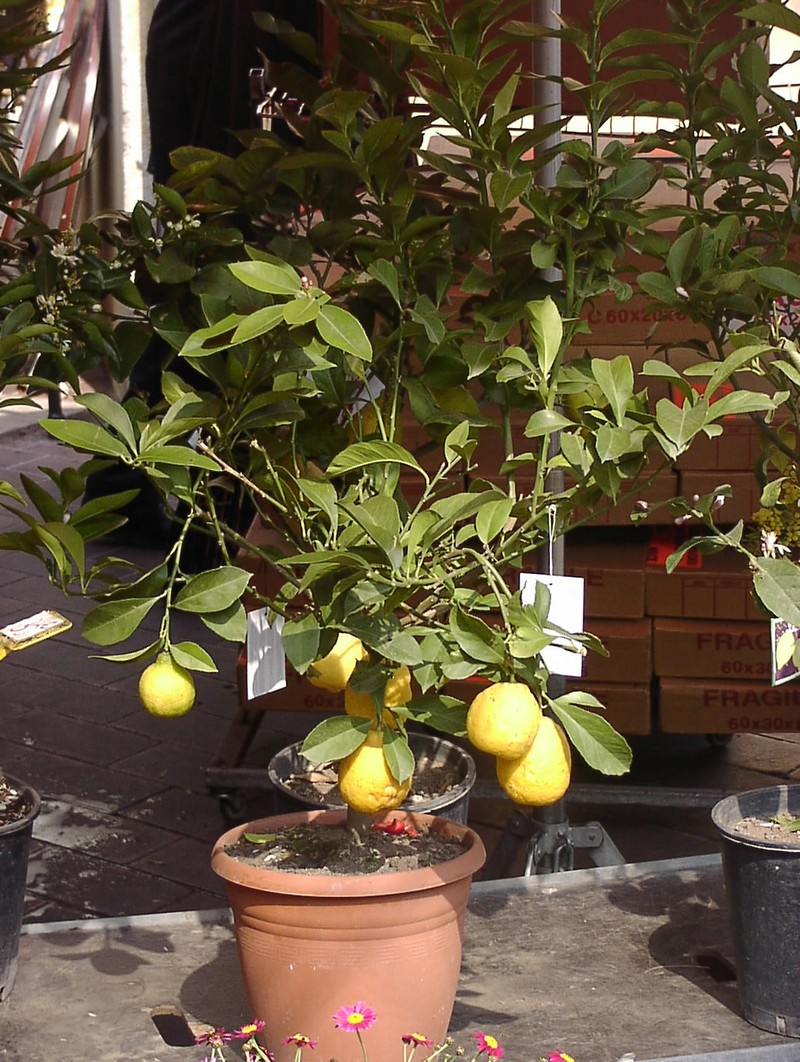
(719, 741)
(232, 806)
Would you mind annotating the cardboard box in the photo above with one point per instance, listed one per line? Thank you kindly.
(711, 649)
(630, 647)
(721, 588)
(689, 706)
(613, 571)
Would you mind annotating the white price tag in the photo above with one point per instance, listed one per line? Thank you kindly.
(266, 660)
(566, 610)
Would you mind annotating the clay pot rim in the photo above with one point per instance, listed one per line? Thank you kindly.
(27, 819)
(289, 883)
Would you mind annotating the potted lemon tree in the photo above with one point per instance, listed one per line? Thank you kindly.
(375, 363)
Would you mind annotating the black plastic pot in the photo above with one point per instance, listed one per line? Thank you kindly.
(15, 841)
(762, 884)
(429, 751)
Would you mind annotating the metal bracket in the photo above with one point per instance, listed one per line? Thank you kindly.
(550, 844)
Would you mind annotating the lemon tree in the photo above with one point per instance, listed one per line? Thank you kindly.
(166, 689)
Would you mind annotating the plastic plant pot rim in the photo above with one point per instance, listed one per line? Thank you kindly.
(28, 817)
(783, 799)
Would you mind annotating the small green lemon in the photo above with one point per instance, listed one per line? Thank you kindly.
(166, 689)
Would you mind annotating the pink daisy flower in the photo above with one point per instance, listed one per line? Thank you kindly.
(215, 1038)
(357, 1018)
(417, 1039)
(301, 1041)
(488, 1045)
(559, 1056)
(253, 1028)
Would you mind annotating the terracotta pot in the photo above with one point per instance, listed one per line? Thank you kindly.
(310, 943)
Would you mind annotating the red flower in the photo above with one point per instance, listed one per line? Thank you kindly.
(487, 1045)
(355, 1018)
(559, 1056)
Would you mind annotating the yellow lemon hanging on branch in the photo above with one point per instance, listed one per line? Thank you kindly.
(396, 693)
(332, 672)
(165, 688)
(503, 719)
(541, 775)
(365, 781)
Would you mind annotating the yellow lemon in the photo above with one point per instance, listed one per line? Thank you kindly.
(165, 688)
(396, 692)
(541, 775)
(503, 719)
(365, 781)
(333, 671)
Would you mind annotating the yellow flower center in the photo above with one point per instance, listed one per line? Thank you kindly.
(490, 1040)
(355, 1018)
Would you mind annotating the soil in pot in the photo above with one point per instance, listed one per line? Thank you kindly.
(769, 831)
(307, 849)
(15, 802)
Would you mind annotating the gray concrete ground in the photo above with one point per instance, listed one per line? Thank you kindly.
(128, 821)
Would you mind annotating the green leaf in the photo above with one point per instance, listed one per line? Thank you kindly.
(229, 623)
(115, 415)
(115, 621)
(335, 738)
(547, 331)
(129, 658)
(399, 757)
(363, 454)
(492, 518)
(594, 738)
(184, 456)
(475, 638)
(344, 332)
(84, 436)
(615, 377)
(300, 640)
(258, 323)
(213, 591)
(680, 424)
(386, 274)
(545, 422)
(446, 714)
(192, 656)
(777, 584)
(272, 278)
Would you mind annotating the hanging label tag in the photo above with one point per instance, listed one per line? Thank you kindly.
(566, 610)
(785, 641)
(266, 660)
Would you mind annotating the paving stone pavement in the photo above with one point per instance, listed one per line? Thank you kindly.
(128, 820)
